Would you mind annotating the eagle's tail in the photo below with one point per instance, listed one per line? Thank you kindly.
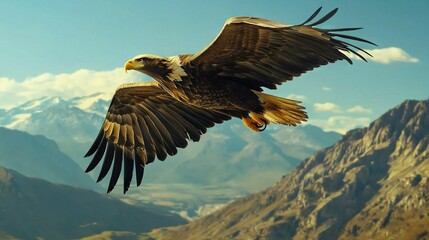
(280, 110)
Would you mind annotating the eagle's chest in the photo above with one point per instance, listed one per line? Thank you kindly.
(195, 91)
(192, 85)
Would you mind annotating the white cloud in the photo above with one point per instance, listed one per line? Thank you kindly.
(296, 97)
(359, 109)
(340, 124)
(326, 107)
(79, 83)
(326, 89)
(6, 84)
(385, 55)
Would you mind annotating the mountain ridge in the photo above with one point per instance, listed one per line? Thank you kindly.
(364, 186)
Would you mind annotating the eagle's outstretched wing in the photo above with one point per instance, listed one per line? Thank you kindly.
(262, 53)
(144, 121)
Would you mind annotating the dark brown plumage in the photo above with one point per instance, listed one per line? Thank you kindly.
(194, 92)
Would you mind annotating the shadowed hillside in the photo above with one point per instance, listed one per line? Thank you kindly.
(32, 208)
(37, 156)
(372, 184)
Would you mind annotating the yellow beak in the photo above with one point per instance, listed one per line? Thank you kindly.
(128, 65)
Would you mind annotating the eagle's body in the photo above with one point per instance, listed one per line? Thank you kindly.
(183, 81)
(191, 93)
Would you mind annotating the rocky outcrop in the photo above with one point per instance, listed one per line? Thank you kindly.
(372, 184)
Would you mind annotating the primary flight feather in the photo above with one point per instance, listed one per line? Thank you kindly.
(193, 92)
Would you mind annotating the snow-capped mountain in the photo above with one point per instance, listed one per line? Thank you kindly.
(97, 103)
(72, 123)
(18, 116)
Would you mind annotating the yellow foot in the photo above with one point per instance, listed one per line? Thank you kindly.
(255, 124)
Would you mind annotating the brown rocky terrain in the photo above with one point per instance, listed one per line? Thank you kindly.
(372, 184)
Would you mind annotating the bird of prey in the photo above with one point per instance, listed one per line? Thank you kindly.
(193, 92)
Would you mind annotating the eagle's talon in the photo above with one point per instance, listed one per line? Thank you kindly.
(254, 123)
(261, 127)
(264, 126)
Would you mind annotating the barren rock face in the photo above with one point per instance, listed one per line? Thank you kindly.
(372, 184)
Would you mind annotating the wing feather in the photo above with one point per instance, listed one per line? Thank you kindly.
(312, 16)
(95, 144)
(325, 18)
(153, 114)
(139, 172)
(149, 144)
(143, 123)
(156, 138)
(117, 165)
(108, 158)
(98, 155)
(165, 133)
(178, 135)
(128, 171)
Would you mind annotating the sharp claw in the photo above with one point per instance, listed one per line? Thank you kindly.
(261, 127)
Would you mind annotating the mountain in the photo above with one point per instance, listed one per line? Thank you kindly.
(229, 161)
(32, 208)
(372, 184)
(71, 123)
(37, 156)
(20, 115)
(228, 154)
(75, 122)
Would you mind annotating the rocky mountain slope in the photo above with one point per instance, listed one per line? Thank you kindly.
(32, 208)
(372, 184)
(37, 156)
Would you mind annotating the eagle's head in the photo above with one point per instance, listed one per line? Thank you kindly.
(146, 63)
(157, 67)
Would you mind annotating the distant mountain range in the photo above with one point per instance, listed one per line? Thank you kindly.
(22, 115)
(229, 156)
(32, 208)
(71, 123)
(37, 156)
(372, 184)
(74, 123)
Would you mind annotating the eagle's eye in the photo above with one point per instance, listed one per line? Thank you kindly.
(142, 59)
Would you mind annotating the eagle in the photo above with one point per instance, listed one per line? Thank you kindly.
(192, 92)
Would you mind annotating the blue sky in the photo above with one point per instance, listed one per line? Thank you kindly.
(53, 40)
